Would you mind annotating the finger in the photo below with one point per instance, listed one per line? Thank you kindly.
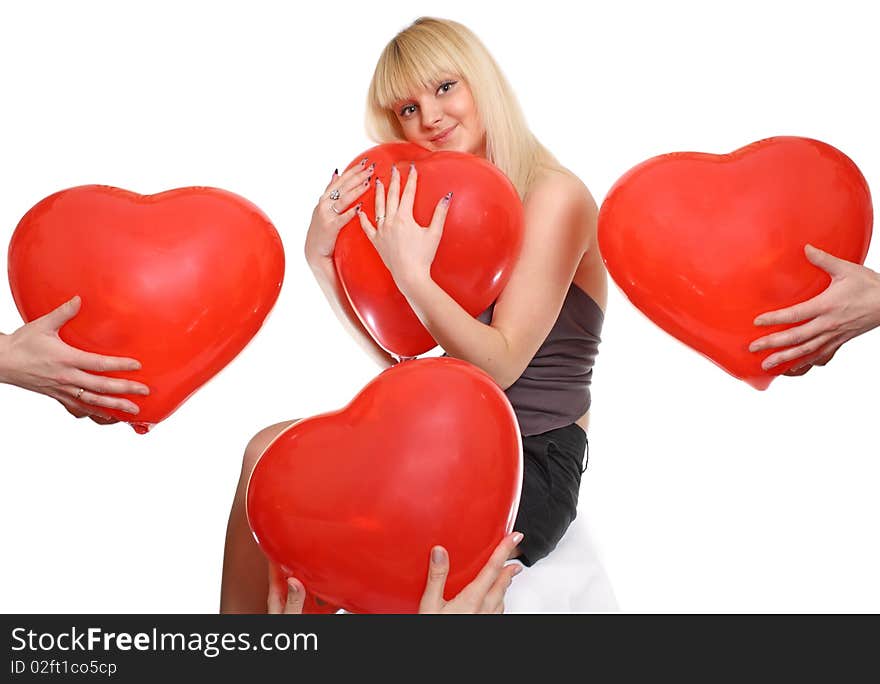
(97, 362)
(440, 212)
(56, 318)
(821, 357)
(78, 410)
(101, 384)
(296, 595)
(790, 337)
(409, 191)
(827, 354)
(276, 598)
(344, 217)
(333, 179)
(72, 407)
(366, 225)
(347, 198)
(380, 203)
(103, 421)
(487, 576)
(348, 175)
(103, 400)
(793, 314)
(829, 263)
(393, 194)
(805, 349)
(495, 596)
(349, 180)
(800, 370)
(438, 570)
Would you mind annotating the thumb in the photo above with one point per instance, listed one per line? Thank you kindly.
(432, 599)
(827, 262)
(55, 319)
(296, 596)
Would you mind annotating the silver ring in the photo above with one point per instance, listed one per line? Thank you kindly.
(380, 218)
(79, 393)
(335, 210)
(334, 195)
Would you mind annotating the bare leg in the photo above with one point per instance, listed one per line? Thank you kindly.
(245, 584)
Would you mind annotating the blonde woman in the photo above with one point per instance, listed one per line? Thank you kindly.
(437, 86)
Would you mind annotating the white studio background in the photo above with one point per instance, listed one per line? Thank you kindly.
(702, 494)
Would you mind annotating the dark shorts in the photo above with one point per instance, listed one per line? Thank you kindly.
(552, 466)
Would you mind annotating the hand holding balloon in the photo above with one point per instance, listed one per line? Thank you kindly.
(335, 209)
(35, 358)
(424, 441)
(485, 594)
(848, 307)
(407, 249)
(180, 280)
(332, 212)
(482, 237)
(703, 243)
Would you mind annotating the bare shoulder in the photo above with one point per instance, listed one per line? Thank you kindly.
(563, 189)
(560, 194)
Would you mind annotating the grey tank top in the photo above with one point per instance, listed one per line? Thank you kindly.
(554, 389)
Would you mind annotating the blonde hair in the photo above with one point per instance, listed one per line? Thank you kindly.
(416, 57)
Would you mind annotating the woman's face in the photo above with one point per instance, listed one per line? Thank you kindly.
(443, 117)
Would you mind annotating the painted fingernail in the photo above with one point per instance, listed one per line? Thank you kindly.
(358, 208)
(367, 182)
(436, 555)
(378, 181)
(363, 161)
(517, 537)
(335, 172)
(372, 166)
(447, 197)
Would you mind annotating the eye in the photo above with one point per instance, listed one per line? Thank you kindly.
(446, 86)
(407, 110)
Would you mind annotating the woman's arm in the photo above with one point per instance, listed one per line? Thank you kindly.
(560, 219)
(325, 273)
(328, 219)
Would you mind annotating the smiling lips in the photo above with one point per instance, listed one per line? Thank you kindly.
(444, 135)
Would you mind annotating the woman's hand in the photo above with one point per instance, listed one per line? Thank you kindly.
(36, 358)
(334, 210)
(485, 594)
(848, 307)
(406, 248)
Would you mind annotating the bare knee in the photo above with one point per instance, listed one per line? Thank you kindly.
(258, 444)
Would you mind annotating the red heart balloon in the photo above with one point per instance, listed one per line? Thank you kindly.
(180, 280)
(351, 502)
(481, 240)
(703, 243)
